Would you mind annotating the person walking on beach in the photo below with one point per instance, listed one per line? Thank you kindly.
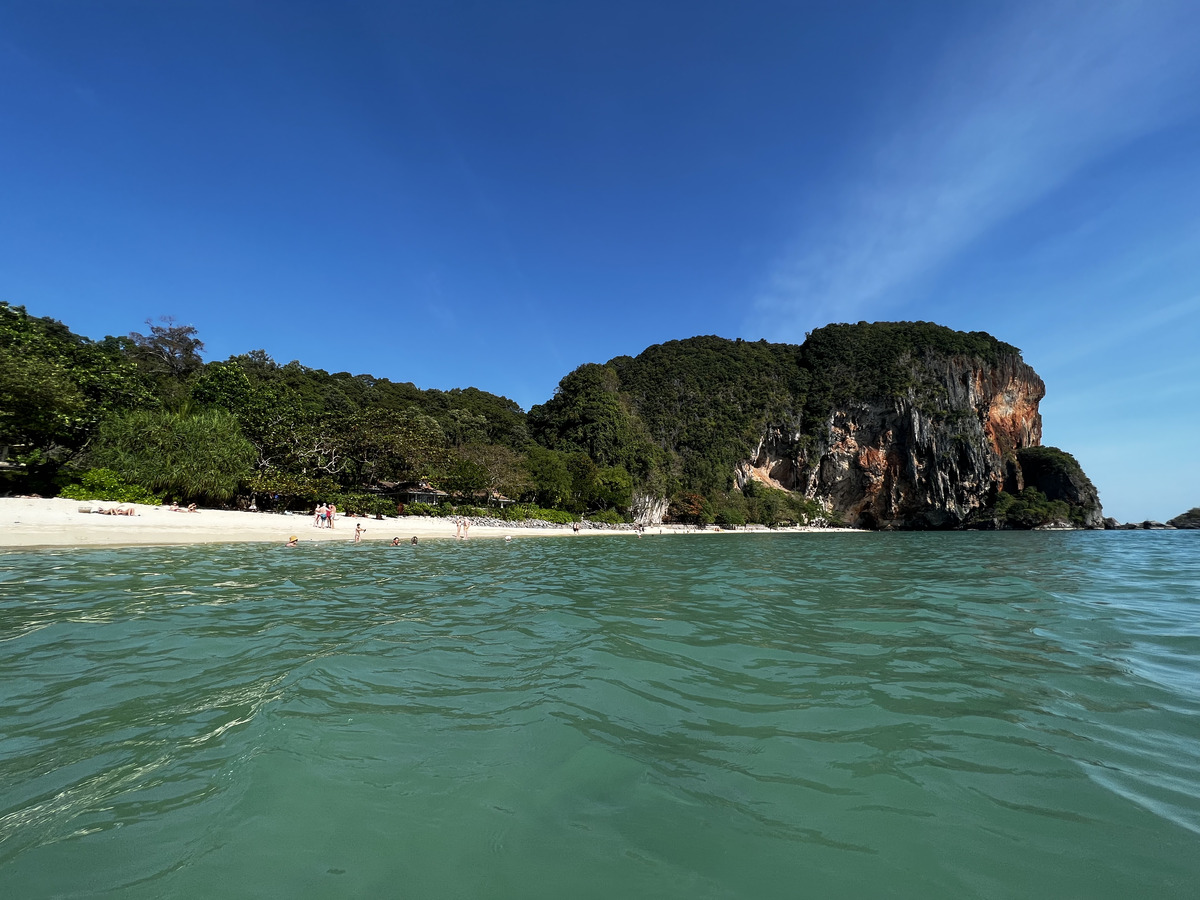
(332, 511)
(317, 516)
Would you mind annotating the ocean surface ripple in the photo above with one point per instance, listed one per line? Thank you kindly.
(845, 715)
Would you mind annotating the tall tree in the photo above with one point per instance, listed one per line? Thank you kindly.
(168, 350)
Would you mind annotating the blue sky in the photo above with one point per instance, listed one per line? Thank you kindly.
(492, 193)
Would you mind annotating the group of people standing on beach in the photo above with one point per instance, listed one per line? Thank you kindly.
(324, 515)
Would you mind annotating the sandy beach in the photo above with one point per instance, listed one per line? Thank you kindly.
(33, 522)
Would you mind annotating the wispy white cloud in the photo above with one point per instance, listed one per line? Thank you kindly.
(1010, 114)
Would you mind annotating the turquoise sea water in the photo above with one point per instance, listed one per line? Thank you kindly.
(848, 715)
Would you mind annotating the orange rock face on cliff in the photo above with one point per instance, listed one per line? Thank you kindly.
(1012, 421)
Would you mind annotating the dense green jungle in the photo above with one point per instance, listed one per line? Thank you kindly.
(143, 418)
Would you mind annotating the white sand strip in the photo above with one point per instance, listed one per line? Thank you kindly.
(31, 522)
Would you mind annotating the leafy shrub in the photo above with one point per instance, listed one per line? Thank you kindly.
(557, 516)
(474, 511)
(443, 510)
(608, 517)
(364, 504)
(349, 503)
(105, 484)
(420, 509)
(516, 512)
(519, 512)
(730, 517)
(771, 506)
(1030, 508)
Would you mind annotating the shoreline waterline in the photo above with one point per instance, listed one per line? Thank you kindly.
(30, 523)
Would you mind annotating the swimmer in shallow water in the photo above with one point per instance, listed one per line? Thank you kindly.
(395, 542)
(291, 542)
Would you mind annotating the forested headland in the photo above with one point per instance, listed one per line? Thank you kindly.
(144, 417)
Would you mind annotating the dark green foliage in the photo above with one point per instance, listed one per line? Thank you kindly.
(877, 360)
(770, 506)
(360, 504)
(378, 506)
(608, 517)
(1058, 475)
(169, 350)
(1030, 508)
(548, 476)
(464, 478)
(611, 488)
(557, 516)
(189, 457)
(105, 484)
(730, 517)
(501, 420)
(587, 415)
(1050, 468)
(519, 512)
(704, 402)
(54, 387)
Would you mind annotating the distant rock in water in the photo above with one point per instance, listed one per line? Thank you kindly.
(1189, 519)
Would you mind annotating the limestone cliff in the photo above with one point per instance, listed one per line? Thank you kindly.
(883, 424)
(936, 456)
